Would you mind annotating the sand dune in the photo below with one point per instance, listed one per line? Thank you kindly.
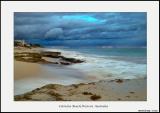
(112, 90)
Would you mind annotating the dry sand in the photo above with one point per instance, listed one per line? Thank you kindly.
(113, 90)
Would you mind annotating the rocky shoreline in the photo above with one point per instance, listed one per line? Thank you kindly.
(38, 56)
(33, 55)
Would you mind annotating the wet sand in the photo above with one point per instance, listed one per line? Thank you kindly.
(24, 70)
(28, 76)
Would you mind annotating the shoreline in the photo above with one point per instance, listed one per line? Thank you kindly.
(70, 80)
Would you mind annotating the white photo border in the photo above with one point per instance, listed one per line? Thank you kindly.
(7, 81)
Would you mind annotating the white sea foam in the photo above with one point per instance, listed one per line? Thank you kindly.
(105, 68)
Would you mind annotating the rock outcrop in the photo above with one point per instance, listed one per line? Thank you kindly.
(38, 57)
(29, 57)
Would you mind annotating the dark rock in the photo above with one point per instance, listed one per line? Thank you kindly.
(119, 81)
(131, 92)
(95, 97)
(72, 60)
(65, 63)
(48, 62)
(81, 84)
(87, 93)
(51, 54)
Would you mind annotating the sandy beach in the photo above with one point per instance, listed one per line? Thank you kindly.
(25, 70)
(48, 81)
(104, 90)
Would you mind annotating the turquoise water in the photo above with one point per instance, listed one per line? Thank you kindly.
(137, 55)
(128, 52)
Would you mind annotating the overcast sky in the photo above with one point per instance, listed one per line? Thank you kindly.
(82, 29)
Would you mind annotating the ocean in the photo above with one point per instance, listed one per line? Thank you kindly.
(108, 63)
(137, 55)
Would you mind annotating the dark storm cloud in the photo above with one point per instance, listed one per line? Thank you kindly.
(90, 28)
